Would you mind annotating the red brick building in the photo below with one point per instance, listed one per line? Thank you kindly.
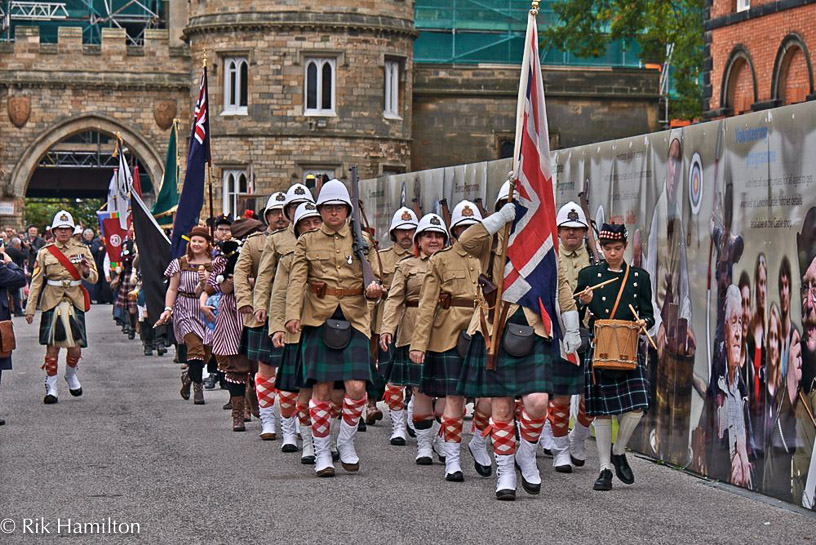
(757, 55)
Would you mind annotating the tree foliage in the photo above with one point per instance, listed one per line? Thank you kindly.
(588, 26)
(40, 212)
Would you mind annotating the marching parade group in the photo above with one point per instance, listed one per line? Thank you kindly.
(288, 309)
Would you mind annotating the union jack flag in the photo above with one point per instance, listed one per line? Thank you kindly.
(531, 273)
(191, 199)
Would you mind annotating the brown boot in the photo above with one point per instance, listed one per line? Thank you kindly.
(198, 393)
(185, 385)
(252, 400)
(238, 404)
(373, 414)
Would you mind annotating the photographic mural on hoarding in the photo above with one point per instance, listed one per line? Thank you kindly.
(723, 216)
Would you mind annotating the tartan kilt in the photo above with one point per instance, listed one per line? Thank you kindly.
(400, 370)
(256, 344)
(289, 377)
(46, 319)
(615, 392)
(513, 377)
(376, 388)
(567, 378)
(440, 373)
(322, 364)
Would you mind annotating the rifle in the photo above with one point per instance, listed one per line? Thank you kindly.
(446, 214)
(482, 210)
(593, 245)
(359, 245)
(417, 200)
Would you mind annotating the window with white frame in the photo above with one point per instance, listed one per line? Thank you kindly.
(313, 175)
(236, 78)
(320, 86)
(743, 5)
(392, 79)
(236, 184)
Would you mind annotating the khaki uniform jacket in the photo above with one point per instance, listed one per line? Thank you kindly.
(246, 271)
(277, 302)
(47, 267)
(389, 259)
(452, 271)
(571, 263)
(477, 241)
(327, 256)
(278, 244)
(406, 285)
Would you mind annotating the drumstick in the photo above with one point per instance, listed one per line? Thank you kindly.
(643, 328)
(596, 286)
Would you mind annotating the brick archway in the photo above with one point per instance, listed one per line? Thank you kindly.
(739, 86)
(25, 167)
(793, 72)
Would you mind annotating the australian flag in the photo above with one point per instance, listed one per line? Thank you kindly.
(531, 274)
(192, 192)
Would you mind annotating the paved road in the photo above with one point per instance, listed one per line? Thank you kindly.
(132, 451)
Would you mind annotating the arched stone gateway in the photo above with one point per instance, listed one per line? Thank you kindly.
(30, 159)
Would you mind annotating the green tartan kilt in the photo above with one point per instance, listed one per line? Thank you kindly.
(400, 370)
(376, 388)
(78, 328)
(289, 377)
(567, 378)
(323, 364)
(615, 392)
(513, 377)
(256, 344)
(440, 373)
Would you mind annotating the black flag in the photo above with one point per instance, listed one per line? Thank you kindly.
(154, 257)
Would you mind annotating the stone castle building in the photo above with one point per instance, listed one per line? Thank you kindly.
(757, 55)
(296, 88)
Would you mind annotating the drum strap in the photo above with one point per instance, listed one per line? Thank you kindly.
(620, 293)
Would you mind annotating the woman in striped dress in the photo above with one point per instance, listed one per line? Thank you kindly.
(237, 367)
(188, 275)
(399, 317)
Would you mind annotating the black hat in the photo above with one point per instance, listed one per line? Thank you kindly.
(222, 220)
(613, 233)
(806, 241)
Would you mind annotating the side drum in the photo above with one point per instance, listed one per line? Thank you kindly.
(615, 345)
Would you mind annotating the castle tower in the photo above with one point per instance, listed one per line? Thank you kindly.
(299, 88)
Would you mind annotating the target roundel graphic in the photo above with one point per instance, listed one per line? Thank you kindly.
(695, 183)
(115, 240)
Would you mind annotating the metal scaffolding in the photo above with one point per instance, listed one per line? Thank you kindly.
(492, 31)
(135, 16)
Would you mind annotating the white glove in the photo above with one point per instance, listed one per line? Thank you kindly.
(572, 337)
(505, 215)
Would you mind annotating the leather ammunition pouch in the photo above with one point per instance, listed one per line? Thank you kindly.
(337, 334)
(518, 339)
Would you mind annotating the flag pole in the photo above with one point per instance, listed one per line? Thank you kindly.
(500, 314)
(209, 150)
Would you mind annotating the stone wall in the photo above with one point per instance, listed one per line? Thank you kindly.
(275, 140)
(68, 88)
(462, 114)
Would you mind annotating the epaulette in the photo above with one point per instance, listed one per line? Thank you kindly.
(276, 231)
(405, 258)
(257, 234)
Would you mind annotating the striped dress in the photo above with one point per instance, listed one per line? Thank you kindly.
(186, 314)
(226, 339)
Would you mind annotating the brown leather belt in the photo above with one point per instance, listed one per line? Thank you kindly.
(446, 301)
(412, 303)
(188, 295)
(323, 290)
